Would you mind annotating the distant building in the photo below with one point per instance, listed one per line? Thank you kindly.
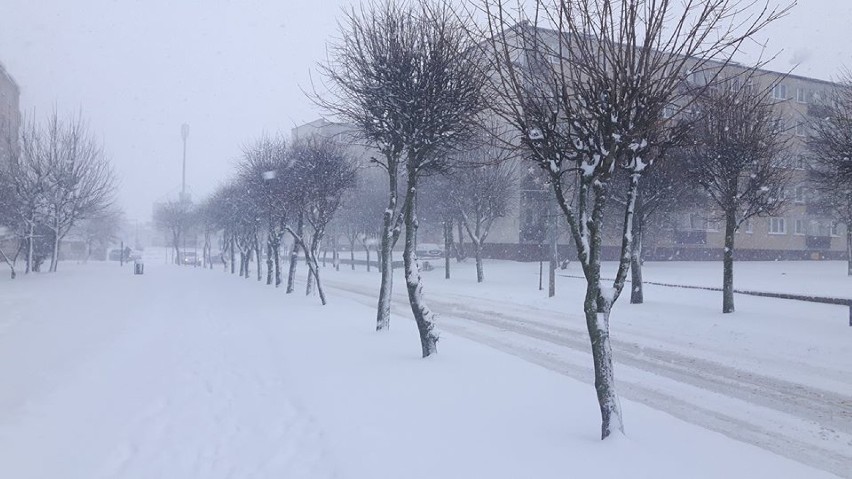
(801, 231)
(10, 116)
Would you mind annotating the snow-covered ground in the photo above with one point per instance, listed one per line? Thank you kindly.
(185, 373)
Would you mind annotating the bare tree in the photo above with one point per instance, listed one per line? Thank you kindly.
(408, 77)
(262, 170)
(320, 175)
(29, 184)
(360, 218)
(11, 226)
(175, 218)
(484, 183)
(438, 207)
(736, 159)
(81, 183)
(586, 84)
(666, 192)
(831, 171)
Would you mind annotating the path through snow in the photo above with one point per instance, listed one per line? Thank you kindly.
(149, 380)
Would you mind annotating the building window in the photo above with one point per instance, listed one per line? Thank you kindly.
(777, 226)
(835, 229)
(801, 129)
(801, 95)
(748, 227)
(779, 92)
(801, 229)
(800, 194)
(698, 222)
(800, 162)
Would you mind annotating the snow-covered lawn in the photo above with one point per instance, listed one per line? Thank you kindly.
(185, 373)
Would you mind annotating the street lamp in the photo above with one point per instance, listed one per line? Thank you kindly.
(184, 133)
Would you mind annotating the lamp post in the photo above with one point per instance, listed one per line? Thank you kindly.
(184, 133)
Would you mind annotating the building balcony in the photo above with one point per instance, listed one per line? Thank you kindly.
(818, 242)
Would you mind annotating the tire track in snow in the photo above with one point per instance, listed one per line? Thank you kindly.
(828, 414)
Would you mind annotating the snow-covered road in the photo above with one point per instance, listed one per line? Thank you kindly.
(777, 412)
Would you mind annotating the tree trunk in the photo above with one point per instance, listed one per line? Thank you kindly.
(423, 316)
(553, 243)
(294, 257)
(30, 248)
(637, 295)
(10, 263)
(552, 265)
(352, 254)
(849, 247)
(277, 259)
(258, 253)
(477, 251)
(728, 263)
(309, 284)
(448, 245)
(233, 254)
(55, 259)
(367, 249)
(269, 262)
(597, 322)
(460, 253)
(335, 255)
(386, 261)
(313, 275)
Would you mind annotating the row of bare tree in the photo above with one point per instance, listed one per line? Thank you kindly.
(594, 93)
(57, 179)
(279, 190)
(627, 108)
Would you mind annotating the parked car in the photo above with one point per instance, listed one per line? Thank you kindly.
(429, 250)
(190, 258)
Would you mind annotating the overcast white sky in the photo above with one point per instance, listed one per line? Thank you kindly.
(138, 69)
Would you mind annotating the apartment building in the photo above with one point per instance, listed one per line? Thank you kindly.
(10, 115)
(800, 231)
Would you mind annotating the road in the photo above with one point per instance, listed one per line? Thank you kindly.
(806, 424)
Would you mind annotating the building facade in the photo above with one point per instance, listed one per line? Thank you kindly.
(800, 231)
(10, 116)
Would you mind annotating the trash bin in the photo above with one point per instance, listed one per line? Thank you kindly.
(138, 267)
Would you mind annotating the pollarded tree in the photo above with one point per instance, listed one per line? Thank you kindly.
(483, 186)
(360, 218)
(320, 174)
(409, 78)
(439, 207)
(263, 171)
(406, 76)
(585, 84)
(666, 192)
(174, 218)
(736, 157)
(831, 171)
